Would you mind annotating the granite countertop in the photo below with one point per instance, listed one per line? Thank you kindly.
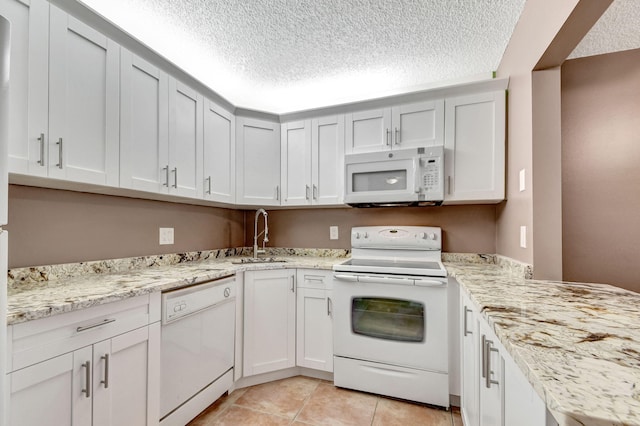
(578, 344)
(34, 299)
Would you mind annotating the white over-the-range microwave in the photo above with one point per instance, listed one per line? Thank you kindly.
(411, 176)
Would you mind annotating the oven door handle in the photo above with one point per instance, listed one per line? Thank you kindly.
(345, 277)
(430, 283)
(385, 280)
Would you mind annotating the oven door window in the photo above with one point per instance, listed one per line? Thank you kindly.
(388, 319)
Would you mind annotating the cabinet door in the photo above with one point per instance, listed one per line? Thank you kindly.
(144, 120)
(295, 151)
(84, 102)
(314, 337)
(368, 131)
(491, 378)
(185, 140)
(470, 362)
(327, 160)
(475, 148)
(28, 97)
(522, 405)
(258, 162)
(269, 321)
(219, 153)
(53, 392)
(419, 124)
(121, 380)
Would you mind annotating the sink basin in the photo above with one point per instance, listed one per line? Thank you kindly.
(245, 260)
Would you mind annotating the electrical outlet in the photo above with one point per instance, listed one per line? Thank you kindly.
(166, 236)
(522, 180)
(523, 237)
(333, 232)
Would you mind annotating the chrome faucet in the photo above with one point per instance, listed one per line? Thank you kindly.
(256, 235)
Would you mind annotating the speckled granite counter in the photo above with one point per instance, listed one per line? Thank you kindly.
(578, 344)
(41, 292)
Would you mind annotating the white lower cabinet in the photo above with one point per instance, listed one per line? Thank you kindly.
(269, 321)
(314, 336)
(114, 381)
(494, 390)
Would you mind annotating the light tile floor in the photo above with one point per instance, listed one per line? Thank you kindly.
(306, 401)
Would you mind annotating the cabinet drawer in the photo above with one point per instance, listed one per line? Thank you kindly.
(42, 339)
(314, 278)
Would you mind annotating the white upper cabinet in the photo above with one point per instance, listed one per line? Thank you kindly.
(327, 159)
(28, 97)
(144, 125)
(296, 163)
(403, 126)
(313, 161)
(185, 141)
(475, 148)
(219, 153)
(84, 75)
(257, 162)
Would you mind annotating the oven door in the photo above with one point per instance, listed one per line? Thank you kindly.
(381, 181)
(390, 320)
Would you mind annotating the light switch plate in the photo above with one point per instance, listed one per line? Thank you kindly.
(166, 236)
(333, 232)
(522, 180)
(523, 237)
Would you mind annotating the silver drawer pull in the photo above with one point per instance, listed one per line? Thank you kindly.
(329, 303)
(89, 327)
(175, 176)
(166, 176)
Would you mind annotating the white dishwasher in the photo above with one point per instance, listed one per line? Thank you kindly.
(197, 352)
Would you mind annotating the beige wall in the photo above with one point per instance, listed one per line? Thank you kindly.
(546, 33)
(600, 169)
(48, 226)
(469, 229)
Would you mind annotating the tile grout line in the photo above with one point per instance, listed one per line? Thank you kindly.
(306, 400)
(374, 410)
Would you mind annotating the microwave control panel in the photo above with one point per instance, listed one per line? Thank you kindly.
(432, 176)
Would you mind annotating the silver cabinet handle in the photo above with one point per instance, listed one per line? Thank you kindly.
(87, 379)
(329, 306)
(306, 192)
(388, 137)
(397, 135)
(488, 350)
(209, 190)
(59, 143)
(315, 192)
(166, 176)
(293, 283)
(449, 185)
(278, 192)
(464, 326)
(175, 177)
(106, 371)
(484, 356)
(41, 139)
(89, 327)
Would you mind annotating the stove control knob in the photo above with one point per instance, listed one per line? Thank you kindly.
(431, 236)
(422, 235)
(356, 235)
(366, 235)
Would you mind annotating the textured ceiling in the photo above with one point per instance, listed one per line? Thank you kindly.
(287, 55)
(618, 29)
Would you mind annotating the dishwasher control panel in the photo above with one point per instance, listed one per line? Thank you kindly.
(186, 301)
